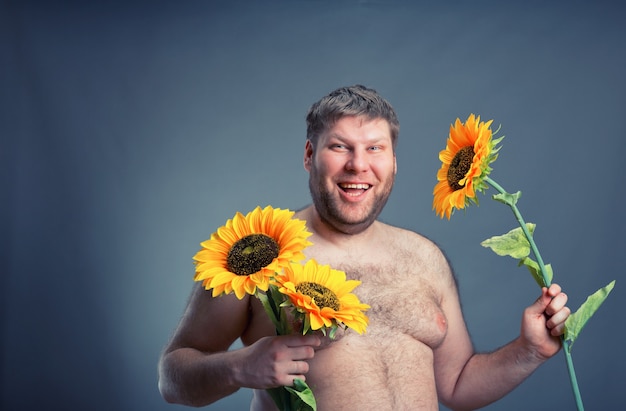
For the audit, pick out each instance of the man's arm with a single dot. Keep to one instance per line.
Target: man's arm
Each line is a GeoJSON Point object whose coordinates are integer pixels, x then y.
{"type": "Point", "coordinates": [196, 367]}
{"type": "Point", "coordinates": [467, 380]}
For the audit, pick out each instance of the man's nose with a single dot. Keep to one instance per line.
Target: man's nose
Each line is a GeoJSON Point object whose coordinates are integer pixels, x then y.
{"type": "Point", "coordinates": [357, 162]}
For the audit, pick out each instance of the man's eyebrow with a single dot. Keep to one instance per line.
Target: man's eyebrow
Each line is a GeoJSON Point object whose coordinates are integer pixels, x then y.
{"type": "Point", "coordinates": [336, 136]}
{"type": "Point", "coordinates": [380, 139]}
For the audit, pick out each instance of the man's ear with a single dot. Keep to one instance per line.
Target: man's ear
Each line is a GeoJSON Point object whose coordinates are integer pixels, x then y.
{"type": "Point", "coordinates": [395, 165]}
{"type": "Point", "coordinates": [308, 155]}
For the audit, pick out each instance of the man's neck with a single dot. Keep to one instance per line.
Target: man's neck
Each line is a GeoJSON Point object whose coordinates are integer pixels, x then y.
{"type": "Point", "coordinates": [350, 236]}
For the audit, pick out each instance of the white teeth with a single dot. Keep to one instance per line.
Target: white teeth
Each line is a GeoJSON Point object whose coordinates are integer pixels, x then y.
{"type": "Point", "coordinates": [357, 186]}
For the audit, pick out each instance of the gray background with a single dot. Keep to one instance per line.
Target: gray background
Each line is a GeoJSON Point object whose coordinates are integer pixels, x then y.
{"type": "Point", "coordinates": [131, 131]}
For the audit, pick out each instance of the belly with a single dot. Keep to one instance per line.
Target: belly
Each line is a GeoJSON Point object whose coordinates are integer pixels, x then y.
{"type": "Point", "coordinates": [392, 372]}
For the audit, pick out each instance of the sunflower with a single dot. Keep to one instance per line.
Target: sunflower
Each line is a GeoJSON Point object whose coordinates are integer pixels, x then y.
{"type": "Point", "coordinates": [244, 254]}
{"type": "Point", "coordinates": [469, 151]}
{"type": "Point", "coordinates": [321, 297]}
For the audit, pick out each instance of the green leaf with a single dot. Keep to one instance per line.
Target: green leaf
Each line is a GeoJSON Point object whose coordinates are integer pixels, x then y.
{"type": "Point", "coordinates": [333, 331]}
{"type": "Point", "coordinates": [534, 269]}
{"type": "Point", "coordinates": [577, 321]}
{"type": "Point", "coordinates": [278, 395]}
{"type": "Point", "coordinates": [507, 198]}
{"type": "Point", "coordinates": [304, 399]}
{"type": "Point", "coordinates": [307, 325]}
{"type": "Point", "coordinates": [270, 309]}
{"type": "Point", "coordinates": [513, 243]}
{"type": "Point", "coordinates": [496, 141]}
{"type": "Point", "coordinates": [549, 274]}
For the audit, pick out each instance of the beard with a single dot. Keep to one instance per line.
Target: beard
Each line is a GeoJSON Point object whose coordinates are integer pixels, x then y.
{"type": "Point", "coordinates": [346, 218]}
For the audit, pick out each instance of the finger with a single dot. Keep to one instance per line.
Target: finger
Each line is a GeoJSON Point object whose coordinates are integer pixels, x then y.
{"type": "Point", "coordinates": [558, 330]}
{"type": "Point", "coordinates": [557, 304]}
{"type": "Point", "coordinates": [288, 379]}
{"type": "Point", "coordinates": [296, 377]}
{"type": "Point", "coordinates": [302, 340]}
{"type": "Point", "coordinates": [558, 318]}
{"type": "Point", "coordinates": [299, 368]}
{"type": "Point", "coordinates": [301, 353]}
{"type": "Point", "coordinates": [554, 290]}
{"type": "Point", "coordinates": [286, 371]}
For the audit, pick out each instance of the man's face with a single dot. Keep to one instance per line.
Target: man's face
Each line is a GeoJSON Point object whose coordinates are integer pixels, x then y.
{"type": "Point", "coordinates": [351, 172]}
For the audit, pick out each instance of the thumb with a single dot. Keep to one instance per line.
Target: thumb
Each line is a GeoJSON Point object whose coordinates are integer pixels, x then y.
{"type": "Point", "coordinates": [539, 306]}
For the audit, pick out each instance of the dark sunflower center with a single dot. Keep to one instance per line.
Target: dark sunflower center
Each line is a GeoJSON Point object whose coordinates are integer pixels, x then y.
{"type": "Point", "coordinates": [251, 253]}
{"type": "Point", "coordinates": [322, 296]}
{"type": "Point", "coordinates": [459, 166]}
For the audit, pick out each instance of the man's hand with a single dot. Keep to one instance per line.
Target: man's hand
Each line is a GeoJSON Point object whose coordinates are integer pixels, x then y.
{"type": "Point", "coordinates": [276, 361]}
{"type": "Point", "coordinates": [543, 322]}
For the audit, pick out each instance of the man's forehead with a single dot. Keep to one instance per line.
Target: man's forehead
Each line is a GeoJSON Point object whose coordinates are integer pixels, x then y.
{"type": "Point", "coordinates": [344, 125]}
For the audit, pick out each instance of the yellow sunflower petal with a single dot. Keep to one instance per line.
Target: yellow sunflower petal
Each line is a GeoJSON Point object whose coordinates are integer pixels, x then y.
{"type": "Point", "coordinates": [218, 290]}
{"type": "Point", "coordinates": [222, 277]}
{"type": "Point", "coordinates": [316, 320]}
{"type": "Point", "coordinates": [239, 286]}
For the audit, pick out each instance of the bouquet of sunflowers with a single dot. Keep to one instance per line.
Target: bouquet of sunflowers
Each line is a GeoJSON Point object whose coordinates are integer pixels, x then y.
{"type": "Point", "coordinates": [259, 254]}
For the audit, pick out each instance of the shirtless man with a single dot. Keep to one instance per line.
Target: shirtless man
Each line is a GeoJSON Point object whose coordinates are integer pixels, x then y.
{"type": "Point", "coordinates": [416, 351]}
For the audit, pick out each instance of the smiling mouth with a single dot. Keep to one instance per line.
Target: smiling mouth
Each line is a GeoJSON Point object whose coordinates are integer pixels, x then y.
{"type": "Point", "coordinates": [354, 189]}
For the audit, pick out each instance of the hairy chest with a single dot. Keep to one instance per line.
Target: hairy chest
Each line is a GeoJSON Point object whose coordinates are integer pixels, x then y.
{"type": "Point", "coordinates": [403, 296]}
{"type": "Point", "coordinates": [400, 303]}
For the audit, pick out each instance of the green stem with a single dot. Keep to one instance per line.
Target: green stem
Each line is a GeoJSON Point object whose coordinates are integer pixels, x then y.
{"type": "Point", "coordinates": [270, 309]}
{"type": "Point", "coordinates": [572, 374]}
{"type": "Point", "coordinates": [529, 237]}
{"type": "Point", "coordinates": [281, 397]}
{"type": "Point", "coordinates": [546, 280]}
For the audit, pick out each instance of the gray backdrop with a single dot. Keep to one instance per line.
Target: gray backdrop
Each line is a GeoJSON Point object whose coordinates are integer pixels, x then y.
{"type": "Point", "coordinates": [131, 131]}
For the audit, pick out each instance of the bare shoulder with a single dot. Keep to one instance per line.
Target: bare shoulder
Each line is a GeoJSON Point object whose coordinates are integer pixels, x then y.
{"type": "Point", "coordinates": [418, 249]}
{"type": "Point", "coordinates": [412, 242]}
{"type": "Point", "coordinates": [198, 326]}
